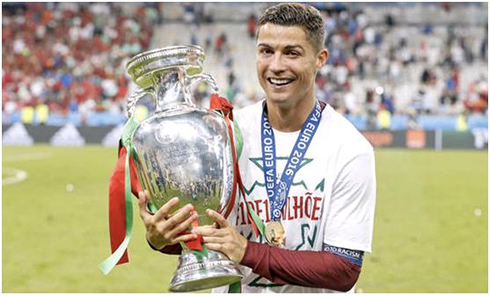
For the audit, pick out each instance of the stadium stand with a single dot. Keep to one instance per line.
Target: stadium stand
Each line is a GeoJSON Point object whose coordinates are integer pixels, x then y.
{"type": "Point", "coordinates": [427, 68]}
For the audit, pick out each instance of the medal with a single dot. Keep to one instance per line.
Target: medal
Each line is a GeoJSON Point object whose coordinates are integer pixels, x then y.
{"type": "Point", "coordinates": [275, 233]}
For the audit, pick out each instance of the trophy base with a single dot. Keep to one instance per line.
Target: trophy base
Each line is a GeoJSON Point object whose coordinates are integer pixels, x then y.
{"type": "Point", "coordinates": [198, 273]}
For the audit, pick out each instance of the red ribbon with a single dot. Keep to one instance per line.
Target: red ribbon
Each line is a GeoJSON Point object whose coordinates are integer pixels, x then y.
{"type": "Point", "coordinates": [222, 104]}
{"type": "Point", "coordinates": [117, 210]}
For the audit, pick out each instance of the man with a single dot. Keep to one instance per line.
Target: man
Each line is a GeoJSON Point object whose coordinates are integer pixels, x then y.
{"type": "Point", "coordinates": [308, 172]}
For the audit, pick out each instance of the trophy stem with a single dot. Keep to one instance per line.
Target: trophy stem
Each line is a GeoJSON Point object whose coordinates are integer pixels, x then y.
{"type": "Point", "coordinates": [199, 273]}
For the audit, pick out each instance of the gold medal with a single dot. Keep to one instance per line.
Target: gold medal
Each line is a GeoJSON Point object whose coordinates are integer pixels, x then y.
{"type": "Point", "coordinates": [275, 233]}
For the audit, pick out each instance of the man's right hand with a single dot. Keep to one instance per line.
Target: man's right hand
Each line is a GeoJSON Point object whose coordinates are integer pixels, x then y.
{"type": "Point", "coordinates": [163, 229]}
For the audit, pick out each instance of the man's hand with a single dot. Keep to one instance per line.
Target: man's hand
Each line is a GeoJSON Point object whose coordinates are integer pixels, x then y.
{"type": "Point", "coordinates": [223, 237]}
{"type": "Point", "coordinates": [163, 229]}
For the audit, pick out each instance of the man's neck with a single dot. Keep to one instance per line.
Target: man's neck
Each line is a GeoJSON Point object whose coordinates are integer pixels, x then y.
{"type": "Point", "coordinates": [289, 118]}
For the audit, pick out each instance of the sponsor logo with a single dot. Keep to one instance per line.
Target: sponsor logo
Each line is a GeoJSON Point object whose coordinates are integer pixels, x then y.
{"type": "Point", "coordinates": [416, 139]}
{"type": "Point", "coordinates": [481, 138]}
{"type": "Point", "coordinates": [68, 135]}
{"type": "Point", "coordinates": [17, 135]}
{"type": "Point", "coordinates": [112, 138]}
{"type": "Point", "coordinates": [379, 139]}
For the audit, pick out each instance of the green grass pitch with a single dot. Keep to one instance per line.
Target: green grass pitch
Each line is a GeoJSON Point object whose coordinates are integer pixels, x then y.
{"type": "Point", "coordinates": [430, 229]}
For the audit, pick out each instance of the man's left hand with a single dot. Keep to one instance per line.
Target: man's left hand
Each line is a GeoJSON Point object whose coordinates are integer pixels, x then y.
{"type": "Point", "coordinates": [223, 237]}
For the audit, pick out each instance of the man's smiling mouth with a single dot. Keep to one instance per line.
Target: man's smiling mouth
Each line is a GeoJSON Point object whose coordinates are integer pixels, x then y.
{"type": "Point", "coordinates": [279, 82]}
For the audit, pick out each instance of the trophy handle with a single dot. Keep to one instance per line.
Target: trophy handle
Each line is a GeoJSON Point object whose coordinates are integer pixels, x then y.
{"type": "Point", "coordinates": [203, 77]}
{"type": "Point", "coordinates": [135, 97]}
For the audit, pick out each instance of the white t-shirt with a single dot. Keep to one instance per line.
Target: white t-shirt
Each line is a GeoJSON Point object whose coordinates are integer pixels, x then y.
{"type": "Point", "coordinates": [332, 197]}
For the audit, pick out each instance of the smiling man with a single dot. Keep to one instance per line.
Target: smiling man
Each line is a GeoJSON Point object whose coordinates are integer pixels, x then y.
{"type": "Point", "coordinates": [288, 58]}
{"type": "Point", "coordinates": [307, 173]}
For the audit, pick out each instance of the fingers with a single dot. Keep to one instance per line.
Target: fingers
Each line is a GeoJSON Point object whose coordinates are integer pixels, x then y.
{"type": "Point", "coordinates": [225, 240]}
{"type": "Point", "coordinates": [216, 247]}
{"type": "Point", "coordinates": [163, 212]}
{"type": "Point", "coordinates": [214, 239]}
{"type": "Point", "coordinates": [179, 217]}
{"type": "Point", "coordinates": [142, 201]}
{"type": "Point", "coordinates": [163, 228]}
{"type": "Point", "coordinates": [209, 231]}
{"type": "Point", "coordinates": [181, 227]}
{"type": "Point", "coordinates": [218, 218]}
{"type": "Point", "coordinates": [183, 238]}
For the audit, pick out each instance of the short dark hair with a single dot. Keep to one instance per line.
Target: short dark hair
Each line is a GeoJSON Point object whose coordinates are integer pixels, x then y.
{"type": "Point", "coordinates": [295, 14]}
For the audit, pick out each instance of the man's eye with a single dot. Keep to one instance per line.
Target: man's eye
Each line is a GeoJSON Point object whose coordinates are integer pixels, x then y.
{"type": "Point", "coordinates": [292, 53]}
{"type": "Point", "coordinates": [266, 51]}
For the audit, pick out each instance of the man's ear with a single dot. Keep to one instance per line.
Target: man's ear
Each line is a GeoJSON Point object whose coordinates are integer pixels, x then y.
{"type": "Point", "coordinates": [321, 58]}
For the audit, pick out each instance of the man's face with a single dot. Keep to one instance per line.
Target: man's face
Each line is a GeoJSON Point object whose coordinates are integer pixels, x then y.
{"type": "Point", "coordinates": [287, 64]}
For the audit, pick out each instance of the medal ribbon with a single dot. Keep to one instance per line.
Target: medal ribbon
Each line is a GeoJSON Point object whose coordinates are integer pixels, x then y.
{"type": "Point", "coordinates": [278, 192]}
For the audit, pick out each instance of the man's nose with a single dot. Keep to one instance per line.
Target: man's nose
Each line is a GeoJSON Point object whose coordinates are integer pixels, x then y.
{"type": "Point", "coordinates": [277, 63]}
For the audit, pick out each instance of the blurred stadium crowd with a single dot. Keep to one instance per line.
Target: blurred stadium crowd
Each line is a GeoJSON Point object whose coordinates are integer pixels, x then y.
{"type": "Point", "coordinates": [66, 61]}
{"type": "Point", "coordinates": [61, 58]}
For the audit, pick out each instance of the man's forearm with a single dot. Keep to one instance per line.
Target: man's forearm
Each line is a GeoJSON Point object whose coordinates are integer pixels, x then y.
{"type": "Point", "coordinates": [301, 268]}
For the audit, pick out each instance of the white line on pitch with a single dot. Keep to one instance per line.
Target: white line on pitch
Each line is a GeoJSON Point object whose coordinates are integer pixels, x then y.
{"type": "Point", "coordinates": [25, 157]}
{"type": "Point", "coordinates": [15, 176]}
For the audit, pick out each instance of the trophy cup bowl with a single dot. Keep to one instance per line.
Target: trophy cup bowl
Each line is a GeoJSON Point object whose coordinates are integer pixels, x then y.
{"type": "Point", "coordinates": [185, 151]}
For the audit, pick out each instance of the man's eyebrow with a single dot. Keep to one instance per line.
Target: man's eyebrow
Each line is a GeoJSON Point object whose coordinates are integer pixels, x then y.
{"type": "Point", "coordinates": [294, 46]}
{"type": "Point", "coordinates": [287, 47]}
{"type": "Point", "coordinates": [264, 45]}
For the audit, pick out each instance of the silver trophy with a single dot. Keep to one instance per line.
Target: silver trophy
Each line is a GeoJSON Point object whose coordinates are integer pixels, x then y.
{"type": "Point", "coordinates": [183, 150]}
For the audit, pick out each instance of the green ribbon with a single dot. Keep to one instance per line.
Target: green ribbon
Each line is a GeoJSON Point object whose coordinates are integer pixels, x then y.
{"type": "Point", "coordinates": [258, 222]}
{"type": "Point", "coordinates": [235, 287]}
{"type": "Point", "coordinates": [108, 264]}
{"type": "Point", "coordinates": [201, 254]}
{"type": "Point", "coordinates": [238, 140]}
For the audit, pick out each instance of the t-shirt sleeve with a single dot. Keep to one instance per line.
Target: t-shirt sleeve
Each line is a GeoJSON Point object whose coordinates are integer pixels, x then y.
{"type": "Point", "coordinates": [350, 219]}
